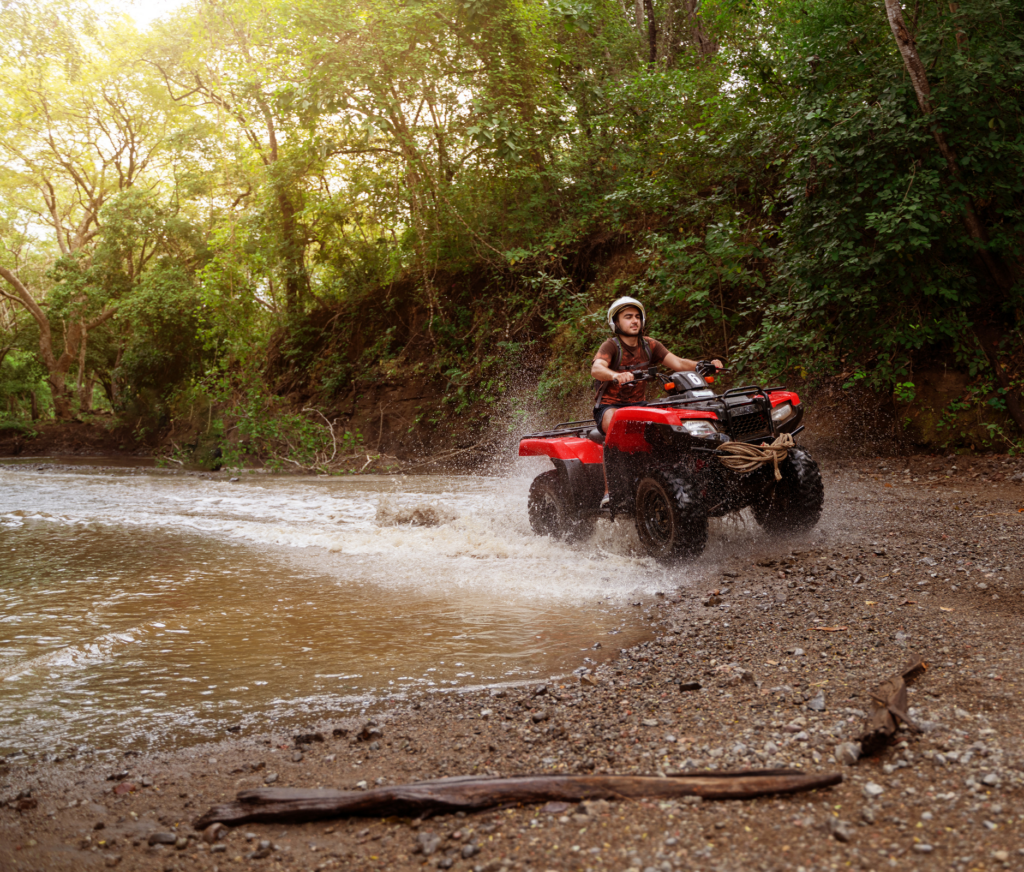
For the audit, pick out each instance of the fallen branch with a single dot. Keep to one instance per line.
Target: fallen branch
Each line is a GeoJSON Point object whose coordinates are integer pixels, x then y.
{"type": "Point", "coordinates": [890, 707]}
{"type": "Point", "coordinates": [284, 805]}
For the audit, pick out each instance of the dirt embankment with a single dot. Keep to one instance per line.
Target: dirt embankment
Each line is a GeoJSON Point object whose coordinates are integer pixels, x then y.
{"type": "Point", "coordinates": [98, 437]}
{"type": "Point", "coordinates": [786, 643]}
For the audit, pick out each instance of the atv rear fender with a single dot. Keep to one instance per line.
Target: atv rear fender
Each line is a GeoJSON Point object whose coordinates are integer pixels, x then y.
{"type": "Point", "coordinates": [566, 448]}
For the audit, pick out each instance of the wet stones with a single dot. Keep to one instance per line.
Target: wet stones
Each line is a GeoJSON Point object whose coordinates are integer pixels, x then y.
{"type": "Point", "coordinates": [369, 732]}
{"type": "Point", "coordinates": [162, 839]}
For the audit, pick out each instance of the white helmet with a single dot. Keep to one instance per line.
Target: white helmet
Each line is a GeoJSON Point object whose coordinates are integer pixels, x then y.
{"type": "Point", "coordinates": [622, 303]}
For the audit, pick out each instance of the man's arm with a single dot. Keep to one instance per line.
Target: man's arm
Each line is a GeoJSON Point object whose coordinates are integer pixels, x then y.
{"type": "Point", "coordinates": [602, 372]}
{"type": "Point", "coordinates": [682, 364]}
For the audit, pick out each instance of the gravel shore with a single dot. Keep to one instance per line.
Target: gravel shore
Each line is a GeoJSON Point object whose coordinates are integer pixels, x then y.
{"type": "Point", "coordinates": [766, 659]}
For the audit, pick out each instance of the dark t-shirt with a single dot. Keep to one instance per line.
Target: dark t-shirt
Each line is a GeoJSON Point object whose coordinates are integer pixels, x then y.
{"type": "Point", "coordinates": [634, 392]}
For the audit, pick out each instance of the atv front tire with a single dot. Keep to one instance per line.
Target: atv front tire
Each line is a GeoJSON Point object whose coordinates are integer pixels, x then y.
{"type": "Point", "coordinates": [795, 502]}
{"type": "Point", "coordinates": [552, 512]}
{"type": "Point", "coordinates": [671, 520]}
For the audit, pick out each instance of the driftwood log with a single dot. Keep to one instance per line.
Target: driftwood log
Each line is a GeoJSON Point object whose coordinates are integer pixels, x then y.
{"type": "Point", "coordinates": [889, 702]}
{"type": "Point", "coordinates": [289, 805]}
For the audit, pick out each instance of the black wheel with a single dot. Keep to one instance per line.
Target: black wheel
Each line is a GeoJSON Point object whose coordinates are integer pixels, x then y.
{"type": "Point", "coordinates": [671, 520]}
{"type": "Point", "coordinates": [551, 510]}
{"type": "Point", "coordinates": [795, 502]}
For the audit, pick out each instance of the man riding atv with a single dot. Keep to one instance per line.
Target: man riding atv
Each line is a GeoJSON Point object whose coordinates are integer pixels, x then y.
{"type": "Point", "coordinates": [629, 349]}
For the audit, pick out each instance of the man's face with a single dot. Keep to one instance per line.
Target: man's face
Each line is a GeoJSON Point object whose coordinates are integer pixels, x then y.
{"type": "Point", "coordinates": [630, 321]}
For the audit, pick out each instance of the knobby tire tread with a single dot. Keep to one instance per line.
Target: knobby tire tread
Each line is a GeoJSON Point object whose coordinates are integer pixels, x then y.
{"type": "Point", "coordinates": [796, 502]}
{"type": "Point", "coordinates": [691, 519]}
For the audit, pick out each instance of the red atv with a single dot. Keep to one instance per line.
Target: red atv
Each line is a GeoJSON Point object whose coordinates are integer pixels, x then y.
{"type": "Point", "coordinates": [664, 466]}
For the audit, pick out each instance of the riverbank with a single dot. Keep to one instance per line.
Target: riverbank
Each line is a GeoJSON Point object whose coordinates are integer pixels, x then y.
{"type": "Point", "coordinates": [786, 641]}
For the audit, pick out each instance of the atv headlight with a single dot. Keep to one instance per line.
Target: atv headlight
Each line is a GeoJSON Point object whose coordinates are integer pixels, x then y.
{"type": "Point", "coordinates": [701, 429]}
{"type": "Point", "coordinates": [782, 412]}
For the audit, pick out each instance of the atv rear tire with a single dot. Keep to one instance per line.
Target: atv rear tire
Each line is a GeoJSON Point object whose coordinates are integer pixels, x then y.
{"type": "Point", "coordinates": [671, 520]}
{"type": "Point", "coordinates": [551, 510]}
{"type": "Point", "coordinates": [795, 502]}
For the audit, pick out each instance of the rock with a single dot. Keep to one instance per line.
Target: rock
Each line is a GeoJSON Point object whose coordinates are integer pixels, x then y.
{"type": "Point", "coordinates": [555, 808]}
{"type": "Point", "coordinates": [923, 848]}
{"type": "Point", "coordinates": [588, 680]}
{"type": "Point", "coordinates": [112, 860]}
{"type": "Point", "coordinates": [486, 713]}
{"type": "Point", "coordinates": [847, 753]}
{"type": "Point", "coordinates": [426, 844]}
{"type": "Point", "coordinates": [650, 722]}
{"type": "Point", "coordinates": [181, 843]}
{"type": "Point", "coordinates": [713, 601]}
{"type": "Point", "coordinates": [872, 790]}
{"type": "Point", "coordinates": [990, 780]}
{"type": "Point", "coordinates": [595, 807]}
{"type": "Point", "coordinates": [469, 850]}
{"type": "Point", "coordinates": [539, 716]}
{"type": "Point", "coordinates": [817, 702]}
{"type": "Point", "coordinates": [218, 848]}
{"type": "Point", "coordinates": [688, 686]}
{"type": "Point", "coordinates": [867, 814]}
{"type": "Point", "coordinates": [498, 692]}
{"type": "Point", "coordinates": [540, 690]}
{"type": "Point", "coordinates": [368, 732]}
{"type": "Point", "coordinates": [214, 833]}
{"type": "Point", "coordinates": [162, 838]}
{"type": "Point", "coordinates": [297, 757]}
{"type": "Point", "coordinates": [1001, 856]}
{"type": "Point", "coordinates": [124, 787]}
{"type": "Point", "coordinates": [361, 785]}
{"type": "Point", "coordinates": [841, 831]}
{"type": "Point", "coordinates": [308, 738]}
{"type": "Point", "coordinates": [271, 778]}
{"type": "Point", "coordinates": [146, 782]}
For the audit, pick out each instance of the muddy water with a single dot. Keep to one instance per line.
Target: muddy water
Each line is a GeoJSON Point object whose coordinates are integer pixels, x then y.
{"type": "Point", "coordinates": [141, 609]}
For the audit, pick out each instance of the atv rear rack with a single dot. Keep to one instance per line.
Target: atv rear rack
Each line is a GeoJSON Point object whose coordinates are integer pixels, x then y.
{"type": "Point", "coordinates": [567, 428]}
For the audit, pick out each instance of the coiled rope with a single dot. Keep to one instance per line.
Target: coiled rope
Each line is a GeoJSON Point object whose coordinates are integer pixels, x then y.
{"type": "Point", "coordinates": [743, 457]}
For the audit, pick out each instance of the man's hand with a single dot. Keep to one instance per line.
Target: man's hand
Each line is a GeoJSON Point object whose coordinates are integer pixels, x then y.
{"type": "Point", "coordinates": [718, 364]}
{"type": "Point", "coordinates": [622, 378]}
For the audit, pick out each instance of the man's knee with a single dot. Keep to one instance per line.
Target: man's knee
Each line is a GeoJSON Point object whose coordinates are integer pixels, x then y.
{"type": "Point", "coordinates": [606, 420]}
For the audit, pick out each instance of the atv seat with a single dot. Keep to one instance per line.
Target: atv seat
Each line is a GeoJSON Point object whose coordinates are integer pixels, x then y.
{"type": "Point", "coordinates": [596, 435]}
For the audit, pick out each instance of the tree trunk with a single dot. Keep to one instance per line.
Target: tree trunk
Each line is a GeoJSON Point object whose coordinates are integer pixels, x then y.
{"type": "Point", "coordinates": [919, 79]}
{"type": "Point", "coordinates": [56, 367]}
{"type": "Point", "coordinates": [85, 393]}
{"type": "Point", "coordinates": [1001, 274]}
{"type": "Point", "coordinates": [652, 32]}
{"type": "Point", "coordinates": [292, 254]}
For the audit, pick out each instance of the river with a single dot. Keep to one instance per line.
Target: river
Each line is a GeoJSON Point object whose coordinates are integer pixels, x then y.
{"type": "Point", "coordinates": [143, 609]}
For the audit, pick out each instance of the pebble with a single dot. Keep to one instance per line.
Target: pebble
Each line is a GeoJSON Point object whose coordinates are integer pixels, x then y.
{"type": "Point", "coordinates": [271, 778]}
{"type": "Point", "coordinates": [923, 848]}
{"type": "Point", "coordinates": [841, 831]}
{"type": "Point", "coordinates": [872, 790]}
{"type": "Point", "coordinates": [848, 753]}
{"type": "Point", "coordinates": [539, 715]}
{"type": "Point", "coordinates": [297, 757]}
{"type": "Point", "coordinates": [162, 838]}
{"type": "Point", "coordinates": [990, 780]}
{"type": "Point", "coordinates": [867, 815]}
{"type": "Point", "coordinates": [817, 702]}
